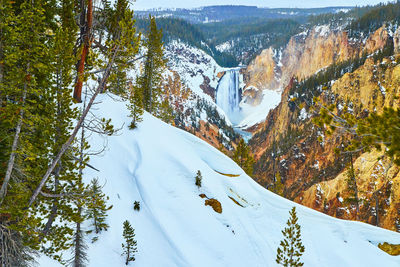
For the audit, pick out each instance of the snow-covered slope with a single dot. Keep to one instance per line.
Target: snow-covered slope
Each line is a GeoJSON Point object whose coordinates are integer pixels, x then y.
{"type": "Point", "coordinates": [193, 65]}
{"type": "Point", "coordinates": [156, 165]}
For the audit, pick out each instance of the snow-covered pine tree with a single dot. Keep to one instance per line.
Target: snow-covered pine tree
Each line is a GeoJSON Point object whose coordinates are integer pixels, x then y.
{"type": "Point", "coordinates": [97, 208]}
{"type": "Point", "coordinates": [130, 244]}
{"type": "Point", "coordinates": [291, 248]}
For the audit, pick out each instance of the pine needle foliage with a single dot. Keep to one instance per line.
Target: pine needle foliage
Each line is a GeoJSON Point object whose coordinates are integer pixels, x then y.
{"type": "Point", "coordinates": [243, 157]}
{"type": "Point", "coordinates": [97, 208]}
{"type": "Point", "coordinates": [130, 245]}
{"type": "Point", "coordinates": [150, 81]}
{"type": "Point", "coordinates": [198, 178]}
{"type": "Point", "coordinates": [291, 248]}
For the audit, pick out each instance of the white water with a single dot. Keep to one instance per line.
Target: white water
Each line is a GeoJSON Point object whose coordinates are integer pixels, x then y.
{"type": "Point", "coordinates": [229, 95]}
{"type": "Point", "coordinates": [241, 114]}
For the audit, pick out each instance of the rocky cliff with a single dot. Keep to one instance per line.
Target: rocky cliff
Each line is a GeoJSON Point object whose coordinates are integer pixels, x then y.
{"type": "Point", "coordinates": [289, 145]}
{"type": "Point", "coordinates": [307, 53]}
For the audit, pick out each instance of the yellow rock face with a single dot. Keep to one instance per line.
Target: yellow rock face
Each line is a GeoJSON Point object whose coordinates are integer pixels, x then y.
{"type": "Point", "coordinates": [262, 71]}
{"type": "Point", "coordinates": [396, 41]}
{"type": "Point", "coordinates": [307, 53]}
{"type": "Point", "coordinates": [390, 249]}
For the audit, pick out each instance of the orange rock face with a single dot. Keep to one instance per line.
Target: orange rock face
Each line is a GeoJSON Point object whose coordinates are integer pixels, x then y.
{"type": "Point", "coordinates": [307, 53]}
{"type": "Point", "coordinates": [313, 174]}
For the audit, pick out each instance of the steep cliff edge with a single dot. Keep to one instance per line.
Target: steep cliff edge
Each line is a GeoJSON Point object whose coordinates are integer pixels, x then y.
{"type": "Point", "coordinates": [289, 145]}
{"type": "Point", "coordinates": [307, 53]}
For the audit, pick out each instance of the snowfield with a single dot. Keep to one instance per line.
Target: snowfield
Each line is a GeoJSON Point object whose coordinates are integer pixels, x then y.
{"type": "Point", "coordinates": [156, 164]}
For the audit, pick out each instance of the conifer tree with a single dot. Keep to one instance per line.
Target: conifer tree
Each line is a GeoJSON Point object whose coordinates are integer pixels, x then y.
{"type": "Point", "coordinates": [135, 105]}
{"type": "Point", "coordinates": [79, 246]}
{"type": "Point", "coordinates": [37, 64]}
{"type": "Point", "coordinates": [279, 187]}
{"type": "Point", "coordinates": [242, 156]}
{"type": "Point", "coordinates": [290, 249]}
{"type": "Point", "coordinates": [97, 208]}
{"type": "Point", "coordinates": [24, 75]}
{"type": "Point", "coordinates": [151, 79]}
{"type": "Point", "coordinates": [130, 245]}
{"type": "Point", "coordinates": [165, 111]}
{"type": "Point", "coordinates": [397, 222]}
{"type": "Point", "coordinates": [352, 187]}
{"type": "Point", "coordinates": [198, 178]}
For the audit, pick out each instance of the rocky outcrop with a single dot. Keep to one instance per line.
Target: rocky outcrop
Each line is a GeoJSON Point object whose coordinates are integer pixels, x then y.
{"type": "Point", "coordinates": [376, 41]}
{"type": "Point", "coordinates": [262, 71]}
{"type": "Point", "coordinates": [375, 174]}
{"type": "Point", "coordinates": [306, 53]}
{"type": "Point", "coordinates": [312, 172]}
{"type": "Point", "coordinates": [207, 88]}
{"type": "Point", "coordinates": [396, 41]}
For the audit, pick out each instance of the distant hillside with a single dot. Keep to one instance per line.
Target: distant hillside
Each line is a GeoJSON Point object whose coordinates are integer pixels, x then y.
{"type": "Point", "coordinates": [174, 29]}
{"type": "Point", "coordinates": [234, 35]}
{"type": "Point", "coordinates": [229, 12]}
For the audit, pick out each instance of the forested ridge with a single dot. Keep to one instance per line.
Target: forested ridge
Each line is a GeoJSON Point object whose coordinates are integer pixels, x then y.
{"type": "Point", "coordinates": [56, 57]}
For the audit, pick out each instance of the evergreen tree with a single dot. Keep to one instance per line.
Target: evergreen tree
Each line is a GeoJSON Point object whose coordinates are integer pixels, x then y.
{"type": "Point", "coordinates": [97, 208]}
{"type": "Point", "coordinates": [151, 79]}
{"type": "Point", "coordinates": [79, 246]}
{"type": "Point", "coordinates": [37, 140]}
{"type": "Point", "coordinates": [198, 178]}
{"type": "Point", "coordinates": [352, 187]}
{"type": "Point", "coordinates": [279, 187]}
{"type": "Point", "coordinates": [166, 111]}
{"type": "Point", "coordinates": [24, 75]}
{"type": "Point", "coordinates": [135, 105]}
{"type": "Point", "coordinates": [136, 205]}
{"type": "Point", "coordinates": [290, 249]}
{"type": "Point", "coordinates": [130, 244]}
{"type": "Point", "coordinates": [397, 222]}
{"type": "Point", "coordinates": [242, 156]}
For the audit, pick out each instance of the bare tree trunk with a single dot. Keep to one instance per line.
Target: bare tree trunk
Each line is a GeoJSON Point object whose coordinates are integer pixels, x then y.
{"type": "Point", "coordinates": [85, 51]}
{"type": "Point", "coordinates": [11, 161]}
{"type": "Point", "coordinates": [68, 143]}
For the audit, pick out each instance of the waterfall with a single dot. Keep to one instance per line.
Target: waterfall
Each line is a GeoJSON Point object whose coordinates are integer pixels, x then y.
{"type": "Point", "coordinates": [228, 95]}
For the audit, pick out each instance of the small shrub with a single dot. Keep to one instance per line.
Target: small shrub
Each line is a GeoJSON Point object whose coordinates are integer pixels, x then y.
{"type": "Point", "coordinates": [136, 205]}
{"type": "Point", "coordinates": [198, 179]}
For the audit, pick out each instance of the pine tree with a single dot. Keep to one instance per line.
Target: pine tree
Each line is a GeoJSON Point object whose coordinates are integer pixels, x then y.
{"type": "Point", "coordinates": [352, 187]}
{"type": "Point", "coordinates": [279, 187]}
{"type": "Point", "coordinates": [24, 76]}
{"type": "Point", "coordinates": [151, 79]}
{"type": "Point", "coordinates": [135, 105]}
{"type": "Point", "coordinates": [198, 178]}
{"type": "Point", "coordinates": [242, 156]}
{"type": "Point", "coordinates": [97, 208]}
{"type": "Point", "coordinates": [166, 111]}
{"type": "Point", "coordinates": [130, 244]}
{"type": "Point", "coordinates": [136, 205]}
{"type": "Point", "coordinates": [37, 63]}
{"type": "Point", "coordinates": [290, 250]}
